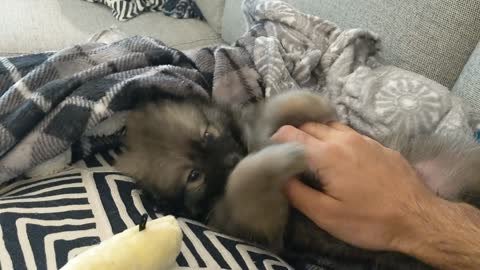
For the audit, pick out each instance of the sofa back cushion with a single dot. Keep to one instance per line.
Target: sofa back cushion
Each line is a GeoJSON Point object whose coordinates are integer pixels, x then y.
{"type": "Point", "coordinates": [468, 84]}
{"type": "Point", "coordinates": [212, 10]}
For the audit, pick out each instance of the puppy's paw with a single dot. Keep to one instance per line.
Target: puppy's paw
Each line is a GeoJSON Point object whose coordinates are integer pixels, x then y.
{"type": "Point", "coordinates": [287, 159]}
{"type": "Point", "coordinates": [298, 107]}
{"type": "Point", "coordinates": [269, 168]}
{"type": "Point", "coordinates": [280, 161]}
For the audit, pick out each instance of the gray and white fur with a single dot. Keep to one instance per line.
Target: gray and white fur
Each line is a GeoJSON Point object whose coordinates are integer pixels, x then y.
{"type": "Point", "coordinates": [218, 165]}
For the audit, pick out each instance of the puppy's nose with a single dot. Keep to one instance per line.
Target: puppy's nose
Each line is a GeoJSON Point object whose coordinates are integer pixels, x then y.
{"type": "Point", "coordinates": [232, 160]}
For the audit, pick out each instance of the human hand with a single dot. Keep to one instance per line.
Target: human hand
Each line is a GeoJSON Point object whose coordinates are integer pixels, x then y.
{"type": "Point", "coordinates": [372, 197]}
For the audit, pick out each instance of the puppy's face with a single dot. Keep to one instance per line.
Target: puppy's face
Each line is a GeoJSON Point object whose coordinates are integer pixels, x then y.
{"type": "Point", "coordinates": [183, 152]}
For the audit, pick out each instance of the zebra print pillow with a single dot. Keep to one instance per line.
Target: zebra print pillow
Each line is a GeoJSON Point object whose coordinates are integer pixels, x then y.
{"type": "Point", "coordinates": [124, 10]}
{"type": "Point", "coordinates": [45, 222]}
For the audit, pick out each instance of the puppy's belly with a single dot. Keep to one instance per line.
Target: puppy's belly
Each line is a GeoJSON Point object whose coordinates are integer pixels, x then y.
{"type": "Point", "coordinates": [437, 179]}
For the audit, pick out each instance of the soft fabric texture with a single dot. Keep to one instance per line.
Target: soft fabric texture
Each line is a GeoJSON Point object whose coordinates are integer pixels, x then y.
{"type": "Point", "coordinates": [45, 222]}
{"type": "Point", "coordinates": [67, 95]}
{"type": "Point", "coordinates": [48, 102]}
{"type": "Point", "coordinates": [295, 50]}
{"type": "Point", "coordinates": [109, 35]}
{"type": "Point", "coordinates": [124, 10]}
{"type": "Point", "coordinates": [76, 99]}
{"type": "Point", "coordinates": [132, 248]}
{"type": "Point", "coordinates": [233, 26]}
{"type": "Point", "coordinates": [53, 25]}
{"type": "Point", "coordinates": [468, 85]}
{"type": "Point", "coordinates": [212, 11]}
{"type": "Point", "coordinates": [432, 37]}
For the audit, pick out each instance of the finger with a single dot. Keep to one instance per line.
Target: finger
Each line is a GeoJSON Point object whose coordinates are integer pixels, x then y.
{"type": "Point", "coordinates": [339, 126]}
{"type": "Point", "coordinates": [309, 201]}
{"type": "Point", "coordinates": [317, 130]}
{"type": "Point", "coordinates": [292, 134]}
{"type": "Point", "coordinates": [315, 149]}
{"type": "Point", "coordinates": [370, 140]}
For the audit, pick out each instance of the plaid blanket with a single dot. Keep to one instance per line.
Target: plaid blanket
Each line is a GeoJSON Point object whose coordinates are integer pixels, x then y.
{"type": "Point", "coordinates": [56, 108]}
{"type": "Point", "coordinates": [60, 105]}
{"type": "Point", "coordinates": [66, 105]}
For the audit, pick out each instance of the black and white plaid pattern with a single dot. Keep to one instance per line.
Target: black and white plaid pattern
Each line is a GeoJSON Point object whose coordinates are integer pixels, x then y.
{"type": "Point", "coordinates": [79, 96]}
{"type": "Point", "coordinates": [44, 110]}
{"type": "Point", "coordinates": [124, 10]}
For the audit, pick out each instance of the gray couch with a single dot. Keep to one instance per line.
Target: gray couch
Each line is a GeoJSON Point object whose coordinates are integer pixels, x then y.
{"type": "Point", "coordinates": [436, 38]}
{"type": "Point", "coordinates": [32, 26]}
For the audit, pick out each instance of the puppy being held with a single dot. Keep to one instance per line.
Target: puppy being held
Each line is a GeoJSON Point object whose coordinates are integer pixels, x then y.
{"type": "Point", "coordinates": [218, 165]}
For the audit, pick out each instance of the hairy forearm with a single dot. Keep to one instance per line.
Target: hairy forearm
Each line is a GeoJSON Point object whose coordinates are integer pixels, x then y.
{"type": "Point", "coordinates": [446, 236]}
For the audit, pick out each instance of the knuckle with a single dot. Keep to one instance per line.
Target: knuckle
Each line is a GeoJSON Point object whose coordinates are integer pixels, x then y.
{"type": "Point", "coordinates": [332, 149]}
{"type": "Point", "coordinates": [393, 153]}
{"type": "Point", "coordinates": [309, 126]}
{"type": "Point", "coordinates": [396, 154]}
{"type": "Point", "coordinates": [285, 133]}
{"type": "Point", "coordinates": [353, 138]}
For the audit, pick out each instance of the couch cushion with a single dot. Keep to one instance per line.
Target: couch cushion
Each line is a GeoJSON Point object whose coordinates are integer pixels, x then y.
{"type": "Point", "coordinates": [431, 37]}
{"type": "Point", "coordinates": [80, 207]}
{"type": "Point", "coordinates": [33, 26]}
{"type": "Point", "coordinates": [468, 84]}
{"type": "Point", "coordinates": [233, 21]}
{"type": "Point", "coordinates": [212, 10]}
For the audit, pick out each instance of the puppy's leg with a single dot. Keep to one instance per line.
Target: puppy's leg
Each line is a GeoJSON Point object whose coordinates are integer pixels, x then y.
{"type": "Point", "coordinates": [254, 206]}
{"type": "Point", "coordinates": [296, 108]}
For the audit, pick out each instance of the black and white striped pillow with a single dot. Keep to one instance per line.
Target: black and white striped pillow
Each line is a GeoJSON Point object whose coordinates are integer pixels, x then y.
{"type": "Point", "coordinates": [44, 222]}
{"type": "Point", "coordinates": [124, 10]}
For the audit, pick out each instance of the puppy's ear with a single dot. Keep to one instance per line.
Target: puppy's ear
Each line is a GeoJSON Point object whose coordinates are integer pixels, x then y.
{"type": "Point", "coordinates": [144, 123]}
{"type": "Point", "coordinates": [137, 121]}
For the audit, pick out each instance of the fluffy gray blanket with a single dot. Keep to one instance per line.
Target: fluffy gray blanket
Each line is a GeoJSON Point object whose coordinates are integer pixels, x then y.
{"type": "Point", "coordinates": [295, 50]}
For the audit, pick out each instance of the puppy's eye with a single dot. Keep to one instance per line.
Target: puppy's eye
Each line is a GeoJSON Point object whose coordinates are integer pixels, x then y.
{"type": "Point", "coordinates": [208, 137]}
{"type": "Point", "coordinates": [193, 176]}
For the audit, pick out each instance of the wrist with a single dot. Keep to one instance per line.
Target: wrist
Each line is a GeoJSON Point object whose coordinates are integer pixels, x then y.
{"type": "Point", "coordinates": [422, 223]}
{"type": "Point", "coordinates": [439, 229]}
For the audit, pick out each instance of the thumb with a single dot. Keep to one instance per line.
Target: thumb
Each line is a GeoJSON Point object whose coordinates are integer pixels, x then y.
{"type": "Point", "coordinates": [311, 202]}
